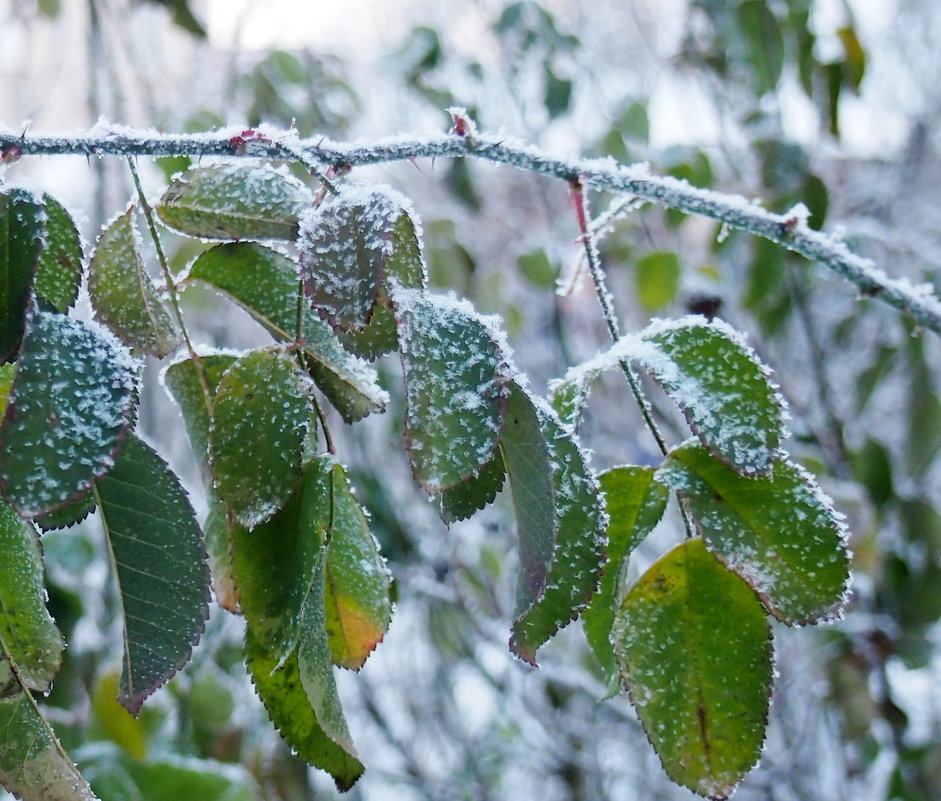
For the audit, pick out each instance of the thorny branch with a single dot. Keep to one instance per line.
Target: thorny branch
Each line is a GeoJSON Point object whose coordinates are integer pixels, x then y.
{"type": "Point", "coordinates": [789, 230]}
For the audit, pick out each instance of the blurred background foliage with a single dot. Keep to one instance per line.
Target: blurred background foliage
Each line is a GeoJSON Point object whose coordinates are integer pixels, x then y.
{"type": "Point", "coordinates": [830, 103]}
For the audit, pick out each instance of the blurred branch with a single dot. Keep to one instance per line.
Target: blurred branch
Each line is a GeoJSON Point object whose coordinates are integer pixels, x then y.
{"type": "Point", "coordinates": [789, 230]}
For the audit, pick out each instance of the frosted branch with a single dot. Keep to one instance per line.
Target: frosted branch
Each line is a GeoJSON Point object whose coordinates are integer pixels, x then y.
{"type": "Point", "coordinates": [789, 230]}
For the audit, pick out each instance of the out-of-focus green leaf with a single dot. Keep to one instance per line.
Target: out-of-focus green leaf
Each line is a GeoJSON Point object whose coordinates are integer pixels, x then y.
{"type": "Point", "coordinates": [59, 271]}
{"type": "Point", "coordinates": [558, 93]}
{"type": "Point", "coordinates": [462, 500]}
{"type": "Point", "coordinates": [694, 647]}
{"type": "Point", "coordinates": [22, 228]}
{"type": "Point", "coordinates": [353, 246]}
{"type": "Point", "coordinates": [559, 518]}
{"type": "Point", "coordinates": [779, 533]}
{"type": "Point", "coordinates": [259, 421]}
{"type": "Point", "coordinates": [72, 401]}
{"type": "Point", "coordinates": [160, 564]}
{"type": "Point", "coordinates": [657, 279]}
{"type": "Point", "coordinates": [114, 721]}
{"type": "Point", "coordinates": [235, 201]}
{"type": "Point", "coordinates": [266, 283]}
{"type": "Point", "coordinates": [855, 57]}
{"type": "Point", "coordinates": [357, 605]}
{"type": "Point", "coordinates": [765, 43]}
{"type": "Point", "coordinates": [635, 503]}
{"type": "Point", "coordinates": [454, 386]}
{"type": "Point", "coordinates": [29, 638]}
{"type": "Point", "coordinates": [873, 468]}
{"type": "Point", "coordinates": [536, 268]}
{"type": "Point", "coordinates": [122, 294]}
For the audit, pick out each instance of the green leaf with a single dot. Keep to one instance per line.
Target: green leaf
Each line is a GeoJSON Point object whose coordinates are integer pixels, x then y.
{"type": "Point", "coordinates": [59, 271]}
{"type": "Point", "coordinates": [235, 201]}
{"type": "Point", "coordinates": [454, 387]}
{"type": "Point", "coordinates": [183, 383]}
{"type": "Point", "coordinates": [710, 373]}
{"type": "Point", "coordinates": [22, 228]}
{"type": "Point", "coordinates": [352, 246]}
{"type": "Point", "coordinates": [29, 638]}
{"type": "Point", "coordinates": [113, 720]}
{"type": "Point", "coordinates": [560, 522]}
{"type": "Point", "coordinates": [635, 503]}
{"type": "Point", "coordinates": [33, 765]}
{"type": "Point", "coordinates": [378, 338]}
{"type": "Point", "coordinates": [657, 279]}
{"type": "Point", "coordinates": [765, 43]}
{"type": "Point", "coordinates": [779, 533]}
{"type": "Point", "coordinates": [172, 779]}
{"type": "Point", "coordinates": [695, 651]}
{"type": "Point", "coordinates": [462, 500]}
{"type": "Point", "coordinates": [275, 562]}
{"type": "Point", "coordinates": [357, 603]}
{"type": "Point", "coordinates": [160, 564]}
{"type": "Point", "coordinates": [536, 268]}
{"type": "Point", "coordinates": [7, 374]}
{"type": "Point", "coordinates": [218, 530]}
{"type": "Point", "coordinates": [72, 401]}
{"type": "Point", "coordinates": [266, 283]}
{"type": "Point", "coordinates": [73, 513]}
{"type": "Point", "coordinates": [259, 421]}
{"type": "Point", "coordinates": [122, 294]}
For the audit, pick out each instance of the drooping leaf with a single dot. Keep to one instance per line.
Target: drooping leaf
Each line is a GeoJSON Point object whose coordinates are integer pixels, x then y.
{"type": "Point", "coordinates": [235, 201]}
{"type": "Point", "coordinates": [259, 421]}
{"type": "Point", "coordinates": [72, 401]}
{"type": "Point", "coordinates": [33, 764]}
{"type": "Point", "coordinates": [474, 493]}
{"type": "Point", "coordinates": [780, 533]}
{"type": "Point", "coordinates": [265, 283]}
{"type": "Point", "coordinates": [455, 378]}
{"type": "Point", "coordinates": [122, 294]}
{"type": "Point", "coordinates": [635, 503]}
{"type": "Point", "coordinates": [29, 638]}
{"type": "Point", "coordinates": [22, 228]}
{"type": "Point", "coordinates": [280, 689]}
{"type": "Point", "coordinates": [560, 522]}
{"type": "Point", "coordinates": [59, 271]}
{"type": "Point", "coordinates": [182, 380]}
{"type": "Point", "coordinates": [357, 605]}
{"type": "Point", "coordinates": [710, 373]}
{"type": "Point", "coordinates": [354, 246]}
{"type": "Point", "coordinates": [694, 647]}
{"type": "Point", "coordinates": [160, 565]}
{"type": "Point", "coordinates": [218, 531]}
{"type": "Point", "coordinates": [275, 562]}
{"type": "Point", "coordinates": [73, 513]}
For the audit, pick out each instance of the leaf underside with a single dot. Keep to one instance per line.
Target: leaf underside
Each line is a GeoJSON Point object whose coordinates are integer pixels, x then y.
{"type": "Point", "coordinates": [694, 647]}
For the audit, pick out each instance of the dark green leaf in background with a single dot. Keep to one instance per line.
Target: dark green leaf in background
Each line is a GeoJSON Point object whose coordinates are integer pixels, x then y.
{"type": "Point", "coordinates": [122, 294]}
{"type": "Point", "coordinates": [235, 201]}
{"type": "Point", "coordinates": [765, 43]}
{"type": "Point", "coordinates": [22, 227]}
{"type": "Point", "coordinates": [694, 647]}
{"type": "Point", "coordinates": [779, 533]}
{"type": "Point", "coordinates": [160, 565]}
{"type": "Point", "coordinates": [72, 401]}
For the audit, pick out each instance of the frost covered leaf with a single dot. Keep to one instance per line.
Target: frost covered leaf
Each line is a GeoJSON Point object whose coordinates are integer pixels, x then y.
{"type": "Point", "coordinates": [354, 246]}
{"type": "Point", "coordinates": [265, 283]}
{"type": "Point", "coordinates": [694, 647]}
{"type": "Point", "coordinates": [59, 272]}
{"type": "Point", "coordinates": [73, 513]}
{"type": "Point", "coordinates": [455, 378]}
{"type": "Point", "coordinates": [33, 765]}
{"type": "Point", "coordinates": [22, 227]}
{"type": "Point", "coordinates": [160, 565]}
{"type": "Point", "coordinates": [560, 522]}
{"type": "Point", "coordinates": [218, 531]}
{"type": "Point", "coordinates": [122, 294]}
{"type": "Point", "coordinates": [474, 493]}
{"type": "Point", "coordinates": [71, 402]}
{"type": "Point", "coordinates": [28, 635]}
{"type": "Point", "coordinates": [275, 562]}
{"type": "Point", "coordinates": [779, 533]}
{"type": "Point", "coordinates": [710, 373]}
{"type": "Point", "coordinates": [235, 201]}
{"type": "Point", "coordinates": [183, 383]}
{"type": "Point", "coordinates": [259, 421]}
{"type": "Point", "coordinates": [378, 338]}
{"type": "Point", "coordinates": [635, 503]}
{"type": "Point", "coordinates": [357, 603]}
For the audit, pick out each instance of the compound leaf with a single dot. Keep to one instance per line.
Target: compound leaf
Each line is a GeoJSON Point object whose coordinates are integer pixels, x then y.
{"type": "Point", "coordinates": [455, 378]}
{"type": "Point", "coordinates": [694, 646]}
{"type": "Point", "coordinates": [779, 533]}
{"type": "Point", "coordinates": [160, 565]}
{"type": "Point", "coordinates": [259, 421]}
{"type": "Point", "coordinates": [122, 294]}
{"type": "Point", "coordinates": [71, 403]}
{"type": "Point", "coordinates": [235, 201]}
{"type": "Point", "coordinates": [559, 518]}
